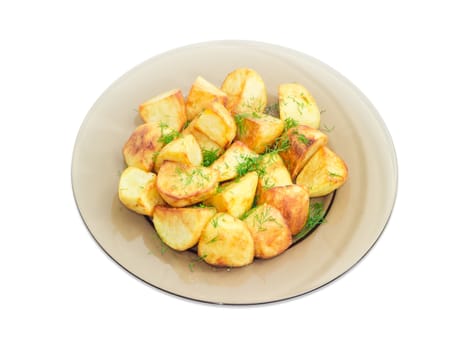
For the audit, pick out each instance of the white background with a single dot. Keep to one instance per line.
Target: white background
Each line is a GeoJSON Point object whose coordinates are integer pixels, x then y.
{"type": "Point", "coordinates": [60, 291]}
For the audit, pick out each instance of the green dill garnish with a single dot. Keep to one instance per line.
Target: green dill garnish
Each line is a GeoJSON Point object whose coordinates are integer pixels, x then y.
{"type": "Point", "coordinates": [213, 240]}
{"type": "Point", "coordinates": [303, 139]}
{"type": "Point", "coordinates": [300, 105]}
{"type": "Point", "coordinates": [326, 128]}
{"type": "Point", "coordinates": [187, 124]}
{"type": "Point", "coordinates": [209, 156]}
{"type": "Point", "coordinates": [268, 183]}
{"type": "Point", "coordinates": [168, 137]}
{"type": "Point", "coordinates": [334, 174]}
{"type": "Point", "coordinates": [193, 263]}
{"type": "Point", "coordinates": [315, 218]}
{"type": "Point", "coordinates": [260, 219]}
{"type": "Point", "coordinates": [247, 214]}
{"type": "Point", "coordinates": [195, 175]}
{"type": "Point", "coordinates": [254, 104]}
{"type": "Point", "coordinates": [239, 119]}
{"type": "Point", "coordinates": [219, 189]}
{"type": "Point", "coordinates": [290, 123]}
{"type": "Point", "coordinates": [154, 156]}
{"type": "Point", "coordinates": [163, 248]}
{"type": "Point", "coordinates": [248, 164]}
{"type": "Point", "coordinates": [200, 205]}
{"type": "Point", "coordinates": [214, 221]}
{"type": "Point", "coordinates": [316, 215]}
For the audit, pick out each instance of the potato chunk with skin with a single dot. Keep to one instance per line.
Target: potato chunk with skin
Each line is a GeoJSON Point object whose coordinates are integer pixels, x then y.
{"type": "Point", "coordinates": [167, 108]}
{"type": "Point", "coordinates": [270, 233]}
{"type": "Point", "coordinates": [304, 142]}
{"type": "Point", "coordinates": [246, 91]}
{"type": "Point", "coordinates": [275, 173]}
{"type": "Point", "coordinates": [217, 123]}
{"type": "Point", "coordinates": [236, 197]}
{"type": "Point", "coordinates": [226, 241]}
{"type": "Point", "coordinates": [201, 95]}
{"type": "Point", "coordinates": [181, 228]}
{"type": "Point", "coordinates": [296, 102]}
{"type": "Point", "coordinates": [292, 201]}
{"type": "Point", "coordinates": [323, 173]}
{"type": "Point", "coordinates": [181, 185]}
{"type": "Point", "coordinates": [182, 150]}
{"type": "Point", "coordinates": [138, 191]}
{"type": "Point", "coordinates": [228, 162]}
{"type": "Point", "coordinates": [258, 130]}
{"type": "Point", "coordinates": [143, 145]}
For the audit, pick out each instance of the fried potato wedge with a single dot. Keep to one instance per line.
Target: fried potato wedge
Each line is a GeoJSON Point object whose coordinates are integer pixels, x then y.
{"type": "Point", "coordinates": [182, 150]}
{"type": "Point", "coordinates": [323, 173]}
{"type": "Point", "coordinates": [205, 143]}
{"type": "Point", "coordinates": [138, 191]}
{"type": "Point", "coordinates": [143, 145]}
{"type": "Point", "coordinates": [246, 91]}
{"type": "Point", "coordinates": [258, 130]}
{"type": "Point", "coordinates": [217, 123]}
{"type": "Point", "coordinates": [181, 185]}
{"type": "Point", "coordinates": [167, 108]}
{"type": "Point", "coordinates": [292, 201]}
{"type": "Point", "coordinates": [235, 197]}
{"type": "Point", "coordinates": [270, 233]}
{"type": "Point", "coordinates": [227, 164]}
{"type": "Point", "coordinates": [181, 228]}
{"type": "Point", "coordinates": [304, 142]}
{"type": "Point", "coordinates": [275, 173]}
{"type": "Point", "coordinates": [201, 95]}
{"type": "Point", "coordinates": [226, 241]}
{"type": "Point", "coordinates": [297, 103]}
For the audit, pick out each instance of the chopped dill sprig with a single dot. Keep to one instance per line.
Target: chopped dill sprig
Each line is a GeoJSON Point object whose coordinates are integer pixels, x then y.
{"type": "Point", "coordinates": [194, 261]}
{"type": "Point", "coordinates": [167, 137]}
{"type": "Point", "coordinates": [209, 156]}
{"type": "Point", "coordinates": [315, 218]}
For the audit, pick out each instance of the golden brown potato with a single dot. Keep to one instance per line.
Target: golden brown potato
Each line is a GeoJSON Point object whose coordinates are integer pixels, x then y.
{"type": "Point", "coordinates": [182, 150]}
{"type": "Point", "coordinates": [275, 173]}
{"type": "Point", "coordinates": [138, 191]}
{"type": "Point", "coordinates": [167, 108]}
{"type": "Point", "coordinates": [323, 173]}
{"type": "Point", "coordinates": [258, 130]}
{"type": "Point", "coordinates": [304, 142]}
{"type": "Point", "coordinates": [296, 102]}
{"type": "Point", "coordinates": [226, 241]}
{"type": "Point", "coordinates": [246, 91]}
{"type": "Point", "coordinates": [217, 123]}
{"type": "Point", "coordinates": [180, 228]}
{"type": "Point", "coordinates": [227, 164]}
{"type": "Point", "coordinates": [205, 143]}
{"type": "Point", "coordinates": [235, 197]}
{"type": "Point", "coordinates": [270, 233]}
{"type": "Point", "coordinates": [292, 201]}
{"type": "Point", "coordinates": [143, 145]}
{"type": "Point", "coordinates": [201, 95]}
{"type": "Point", "coordinates": [181, 185]}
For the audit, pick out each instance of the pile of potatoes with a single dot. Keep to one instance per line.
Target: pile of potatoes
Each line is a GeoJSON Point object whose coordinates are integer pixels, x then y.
{"type": "Point", "coordinates": [215, 172]}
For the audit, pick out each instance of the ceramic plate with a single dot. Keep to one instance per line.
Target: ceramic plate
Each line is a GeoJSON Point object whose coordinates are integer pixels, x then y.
{"type": "Point", "coordinates": [356, 218]}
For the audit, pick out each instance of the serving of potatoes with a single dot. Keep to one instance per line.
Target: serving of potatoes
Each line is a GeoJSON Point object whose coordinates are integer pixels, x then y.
{"type": "Point", "coordinates": [222, 174]}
